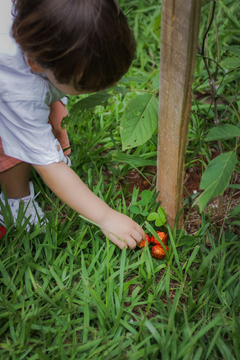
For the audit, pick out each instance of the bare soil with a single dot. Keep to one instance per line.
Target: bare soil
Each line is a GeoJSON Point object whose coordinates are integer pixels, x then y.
{"type": "Point", "coordinates": [231, 197]}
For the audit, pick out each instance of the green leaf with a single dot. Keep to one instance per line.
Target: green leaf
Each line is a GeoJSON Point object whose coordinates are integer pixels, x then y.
{"type": "Point", "coordinates": [157, 25]}
{"type": "Point", "coordinates": [153, 216]}
{"type": "Point", "coordinates": [156, 82]}
{"type": "Point", "coordinates": [159, 222]}
{"type": "Point", "coordinates": [219, 169]}
{"type": "Point", "coordinates": [216, 177]}
{"type": "Point", "coordinates": [135, 209]}
{"type": "Point", "coordinates": [234, 186]}
{"type": "Point", "coordinates": [74, 118]}
{"type": "Point", "coordinates": [136, 161]}
{"type": "Point", "coordinates": [153, 331]}
{"type": "Point", "coordinates": [187, 240]}
{"type": "Point", "coordinates": [223, 132]}
{"type": "Point", "coordinates": [198, 354]}
{"type": "Point", "coordinates": [236, 223]}
{"type": "Point", "coordinates": [199, 334]}
{"type": "Point", "coordinates": [142, 202]}
{"type": "Point", "coordinates": [234, 49]}
{"type": "Point", "coordinates": [224, 349]}
{"type": "Point", "coordinates": [139, 121]}
{"type": "Point", "coordinates": [230, 63]}
{"type": "Point", "coordinates": [146, 195]}
{"type": "Point", "coordinates": [235, 211]}
{"type": "Point", "coordinates": [92, 101]}
{"type": "Point", "coordinates": [120, 90]}
{"type": "Point", "coordinates": [139, 79]}
{"type": "Point", "coordinates": [162, 214]}
{"type": "Point", "coordinates": [144, 213]}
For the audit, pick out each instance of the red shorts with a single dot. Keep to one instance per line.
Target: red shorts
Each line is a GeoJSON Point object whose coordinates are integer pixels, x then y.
{"type": "Point", "coordinates": [57, 112]}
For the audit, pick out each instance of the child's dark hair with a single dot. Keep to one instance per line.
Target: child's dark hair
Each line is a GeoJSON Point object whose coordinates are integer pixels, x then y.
{"type": "Point", "coordinates": [86, 42]}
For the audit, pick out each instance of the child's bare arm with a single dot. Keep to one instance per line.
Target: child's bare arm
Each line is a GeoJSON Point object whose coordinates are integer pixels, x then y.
{"type": "Point", "coordinates": [65, 183]}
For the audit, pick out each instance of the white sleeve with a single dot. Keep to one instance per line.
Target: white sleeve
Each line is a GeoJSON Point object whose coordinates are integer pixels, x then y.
{"type": "Point", "coordinates": [26, 134]}
{"type": "Point", "coordinates": [64, 100]}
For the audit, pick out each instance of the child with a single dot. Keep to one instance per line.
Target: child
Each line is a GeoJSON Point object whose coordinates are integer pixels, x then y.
{"type": "Point", "coordinates": [49, 49]}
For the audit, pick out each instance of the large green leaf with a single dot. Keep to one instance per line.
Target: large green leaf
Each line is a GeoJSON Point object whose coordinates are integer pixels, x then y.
{"type": "Point", "coordinates": [139, 121]}
{"type": "Point", "coordinates": [216, 177]}
{"type": "Point", "coordinates": [73, 118]}
{"type": "Point", "coordinates": [234, 49]}
{"type": "Point", "coordinates": [234, 186]}
{"type": "Point", "coordinates": [235, 223]}
{"type": "Point", "coordinates": [231, 63]}
{"type": "Point", "coordinates": [235, 211]}
{"type": "Point", "coordinates": [223, 132]}
{"type": "Point", "coordinates": [139, 79]}
{"type": "Point", "coordinates": [91, 101]}
{"type": "Point", "coordinates": [133, 160]}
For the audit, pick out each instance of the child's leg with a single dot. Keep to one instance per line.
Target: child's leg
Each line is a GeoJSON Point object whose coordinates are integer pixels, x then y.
{"type": "Point", "coordinates": [14, 174]}
{"type": "Point", "coordinates": [19, 188]}
{"type": "Point", "coordinates": [16, 180]}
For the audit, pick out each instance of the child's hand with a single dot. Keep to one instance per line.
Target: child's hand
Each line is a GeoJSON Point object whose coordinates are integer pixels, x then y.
{"type": "Point", "coordinates": [125, 228]}
{"type": "Point", "coordinates": [66, 184]}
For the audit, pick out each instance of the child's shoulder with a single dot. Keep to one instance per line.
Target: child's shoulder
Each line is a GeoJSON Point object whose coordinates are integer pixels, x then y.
{"type": "Point", "coordinates": [17, 80]}
{"type": "Point", "coordinates": [15, 77]}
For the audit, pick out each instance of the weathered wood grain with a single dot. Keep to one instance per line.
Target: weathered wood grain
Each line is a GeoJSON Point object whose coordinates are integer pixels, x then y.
{"type": "Point", "coordinates": [179, 40]}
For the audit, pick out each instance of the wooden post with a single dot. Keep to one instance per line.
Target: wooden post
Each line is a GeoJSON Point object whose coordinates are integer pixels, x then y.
{"type": "Point", "coordinates": [179, 40]}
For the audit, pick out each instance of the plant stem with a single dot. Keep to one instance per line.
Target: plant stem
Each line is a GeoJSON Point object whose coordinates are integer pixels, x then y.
{"type": "Point", "coordinates": [228, 106]}
{"type": "Point", "coordinates": [212, 80]}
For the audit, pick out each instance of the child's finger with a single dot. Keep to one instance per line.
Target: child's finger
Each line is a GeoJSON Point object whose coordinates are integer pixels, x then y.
{"type": "Point", "coordinates": [141, 231]}
{"type": "Point", "coordinates": [132, 243]}
{"type": "Point", "coordinates": [119, 243]}
{"type": "Point", "coordinates": [129, 242]}
{"type": "Point", "coordinates": [136, 236]}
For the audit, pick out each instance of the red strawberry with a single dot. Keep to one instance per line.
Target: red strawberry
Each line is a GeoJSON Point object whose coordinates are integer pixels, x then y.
{"type": "Point", "coordinates": [158, 252]}
{"type": "Point", "coordinates": [147, 238]}
{"type": "Point", "coordinates": [163, 236]}
{"type": "Point", "coordinates": [142, 244]}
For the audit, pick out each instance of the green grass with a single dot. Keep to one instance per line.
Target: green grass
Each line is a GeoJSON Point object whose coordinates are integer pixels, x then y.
{"type": "Point", "coordinates": [69, 293]}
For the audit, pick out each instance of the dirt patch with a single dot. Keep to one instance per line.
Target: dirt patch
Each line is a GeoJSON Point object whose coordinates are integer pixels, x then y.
{"type": "Point", "coordinates": [135, 179]}
{"type": "Point", "coordinates": [192, 179]}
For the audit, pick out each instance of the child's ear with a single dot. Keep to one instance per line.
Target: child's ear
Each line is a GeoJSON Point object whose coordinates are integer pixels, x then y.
{"type": "Point", "coordinates": [34, 66]}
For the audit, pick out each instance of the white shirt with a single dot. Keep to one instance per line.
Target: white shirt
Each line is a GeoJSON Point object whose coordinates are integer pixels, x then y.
{"type": "Point", "coordinates": [24, 102]}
